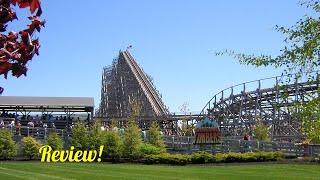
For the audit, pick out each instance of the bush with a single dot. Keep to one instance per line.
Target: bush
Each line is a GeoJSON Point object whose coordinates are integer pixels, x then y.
{"type": "Point", "coordinates": [261, 131]}
{"type": "Point", "coordinates": [202, 157]}
{"type": "Point", "coordinates": [149, 149]}
{"type": "Point", "coordinates": [113, 145]}
{"type": "Point", "coordinates": [54, 140]}
{"type": "Point", "coordinates": [132, 140]}
{"type": "Point", "coordinates": [219, 158]}
{"type": "Point", "coordinates": [8, 147]}
{"type": "Point", "coordinates": [165, 158]}
{"type": "Point", "coordinates": [79, 138]}
{"type": "Point", "coordinates": [30, 147]}
{"type": "Point", "coordinates": [155, 136]}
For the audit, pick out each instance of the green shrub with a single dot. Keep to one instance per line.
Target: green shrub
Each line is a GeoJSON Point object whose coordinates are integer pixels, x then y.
{"type": "Point", "coordinates": [219, 158]}
{"type": "Point", "coordinates": [132, 140]}
{"type": "Point", "coordinates": [30, 147]}
{"type": "Point", "coordinates": [165, 158]}
{"type": "Point", "coordinates": [154, 137]}
{"type": "Point", "coordinates": [95, 136]}
{"type": "Point", "coordinates": [54, 140]}
{"type": "Point", "coordinates": [113, 145]}
{"type": "Point", "coordinates": [202, 157]}
{"type": "Point", "coordinates": [8, 147]}
{"type": "Point", "coordinates": [279, 155]}
{"type": "Point", "coordinates": [149, 149]}
{"type": "Point", "coordinates": [235, 157]}
{"type": "Point", "coordinates": [79, 138]}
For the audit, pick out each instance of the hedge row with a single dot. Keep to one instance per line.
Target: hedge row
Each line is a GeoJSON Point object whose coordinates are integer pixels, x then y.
{"type": "Point", "coordinates": [205, 157]}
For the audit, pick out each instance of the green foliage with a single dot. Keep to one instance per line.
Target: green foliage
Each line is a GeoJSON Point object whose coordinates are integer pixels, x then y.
{"type": "Point", "coordinates": [113, 123]}
{"type": "Point", "coordinates": [30, 147]}
{"type": "Point", "coordinates": [54, 140]}
{"type": "Point", "coordinates": [309, 113]}
{"type": "Point", "coordinates": [79, 138]}
{"type": "Point", "coordinates": [261, 132]}
{"type": "Point", "coordinates": [132, 140]}
{"type": "Point", "coordinates": [301, 53]}
{"type": "Point", "coordinates": [132, 135]}
{"type": "Point", "coordinates": [113, 146]}
{"type": "Point", "coordinates": [204, 157]}
{"type": "Point", "coordinates": [8, 147]}
{"type": "Point", "coordinates": [186, 130]}
{"type": "Point", "coordinates": [95, 136]}
{"type": "Point", "coordinates": [175, 159]}
{"type": "Point", "coordinates": [149, 149]}
{"type": "Point", "coordinates": [155, 136]}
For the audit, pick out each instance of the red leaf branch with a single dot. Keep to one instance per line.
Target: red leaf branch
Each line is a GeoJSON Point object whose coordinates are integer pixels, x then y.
{"type": "Point", "coordinates": [16, 49]}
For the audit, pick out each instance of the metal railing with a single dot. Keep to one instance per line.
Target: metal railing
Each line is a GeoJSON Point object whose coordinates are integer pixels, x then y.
{"type": "Point", "coordinates": [37, 132]}
{"type": "Point", "coordinates": [185, 144]}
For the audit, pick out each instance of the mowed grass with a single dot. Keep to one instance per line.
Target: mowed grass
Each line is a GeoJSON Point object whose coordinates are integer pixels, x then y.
{"type": "Point", "coordinates": [38, 170]}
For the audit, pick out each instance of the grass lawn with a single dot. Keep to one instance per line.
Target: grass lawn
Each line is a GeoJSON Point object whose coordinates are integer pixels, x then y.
{"type": "Point", "coordinates": [38, 170]}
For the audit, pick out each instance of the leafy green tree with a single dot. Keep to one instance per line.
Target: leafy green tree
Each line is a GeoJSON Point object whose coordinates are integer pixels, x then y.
{"type": "Point", "coordinates": [8, 147]}
{"type": "Point", "coordinates": [149, 149]}
{"type": "Point", "coordinates": [261, 132]}
{"type": "Point", "coordinates": [113, 146]}
{"type": "Point", "coordinates": [95, 136]}
{"type": "Point", "coordinates": [30, 147]}
{"type": "Point", "coordinates": [301, 52]}
{"type": "Point", "coordinates": [309, 113]}
{"type": "Point", "coordinates": [79, 136]}
{"type": "Point", "coordinates": [186, 130]}
{"type": "Point", "coordinates": [155, 136]}
{"type": "Point", "coordinates": [132, 134]}
{"type": "Point", "coordinates": [55, 141]}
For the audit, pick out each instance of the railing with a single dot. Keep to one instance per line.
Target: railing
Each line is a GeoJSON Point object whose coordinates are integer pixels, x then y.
{"type": "Point", "coordinates": [37, 132]}
{"type": "Point", "coordinates": [185, 144]}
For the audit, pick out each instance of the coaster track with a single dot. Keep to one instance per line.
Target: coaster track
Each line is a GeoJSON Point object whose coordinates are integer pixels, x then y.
{"type": "Point", "coordinates": [123, 83]}
{"type": "Point", "coordinates": [238, 108]}
{"type": "Point", "coordinates": [151, 93]}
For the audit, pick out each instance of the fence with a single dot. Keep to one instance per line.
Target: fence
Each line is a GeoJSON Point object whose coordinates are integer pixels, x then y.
{"type": "Point", "coordinates": [37, 132]}
{"type": "Point", "coordinates": [184, 144]}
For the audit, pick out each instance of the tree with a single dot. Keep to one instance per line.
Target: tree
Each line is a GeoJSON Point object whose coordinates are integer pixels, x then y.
{"type": "Point", "coordinates": [309, 114]}
{"type": "Point", "coordinates": [113, 146]}
{"type": "Point", "coordinates": [261, 131]}
{"type": "Point", "coordinates": [300, 56]}
{"type": "Point", "coordinates": [132, 134]}
{"type": "Point", "coordinates": [302, 50]}
{"type": "Point", "coordinates": [95, 136]}
{"type": "Point", "coordinates": [79, 138]}
{"type": "Point", "coordinates": [17, 49]}
{"type": "Point", "coordinates": [54, 141]}
{"type": "Point", "coordinates": [186, 130]}
{"type": "Point", "coordinates": [8, 147]}
{"type": "Point", "coordinates": [155, 136]}
{"type": "Point", "coordinates": [30, 147]}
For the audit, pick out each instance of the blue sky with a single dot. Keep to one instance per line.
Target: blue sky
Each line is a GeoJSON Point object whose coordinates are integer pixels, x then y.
{"type": "Point", "coordinates": [173, 41]}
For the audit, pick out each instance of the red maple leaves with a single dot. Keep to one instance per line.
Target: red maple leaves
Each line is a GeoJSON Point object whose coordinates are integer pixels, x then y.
{"type": "Point", "coordinates": [33, 4]}
{"type": "Point", "coordinates": [16, 49]}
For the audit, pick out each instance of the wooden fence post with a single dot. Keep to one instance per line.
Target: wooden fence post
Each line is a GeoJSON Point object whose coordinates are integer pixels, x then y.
{"type": "Point", "coordinates": [173, 142]}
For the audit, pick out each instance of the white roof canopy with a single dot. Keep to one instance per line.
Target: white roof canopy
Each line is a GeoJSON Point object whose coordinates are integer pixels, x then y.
{"type": "Point", "coordinates": [72, 104]}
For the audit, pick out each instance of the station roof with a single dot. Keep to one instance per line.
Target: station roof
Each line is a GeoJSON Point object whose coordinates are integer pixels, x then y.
{"type": "Point", "coordinates": [36, 104]}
